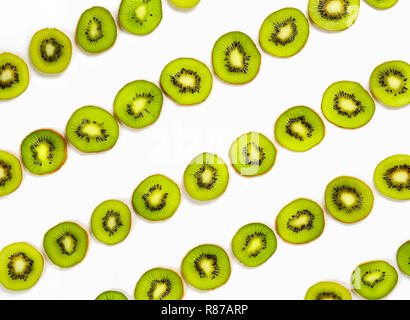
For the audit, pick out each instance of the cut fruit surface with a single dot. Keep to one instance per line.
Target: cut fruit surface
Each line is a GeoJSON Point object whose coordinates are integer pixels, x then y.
{"type": "Point", "coordinates": [11, 174]}
{"type": "Point", "coordinates": [327, 291]}
{"type": "Point", "coordinates": [140, 16]}
{"type": "Point", "coordinates": [14, 76]}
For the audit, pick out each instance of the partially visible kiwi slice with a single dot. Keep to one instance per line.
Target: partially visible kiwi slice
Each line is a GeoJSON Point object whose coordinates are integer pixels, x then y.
{"type": "Point", "coordinates": [382, 4]}
{"type": "Point", "coordinates": [10, 173]}
{"type": "Point", "coordinates": [327, 291]}
{"type": "Point", "coordinates": [140, 16]}
{"type": "Point", "coordinates": [185, 3]}
{"type": "Point", "coordinates": [111, 295]}
{"type": "Point", "coordinates": [14, 76]}
{"type": "Point", "coordinates": [403, 258]}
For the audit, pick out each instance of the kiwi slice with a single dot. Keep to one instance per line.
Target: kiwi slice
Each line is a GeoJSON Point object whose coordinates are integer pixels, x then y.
{"type": "Point", "coordinates": [252, 154]}
{"type": "Point", "coordinates": [10, 173]}
{"type": "Point", "coordinates": [159, 284]}
{"type": "Point", "coordinates": [96, 30]}
{"type": "Point", "coordinates": [382, 4]}
{"type": "Point", "coordinates": [299, 129]}
{"type": "Point", "coordinates": [92, 129]}
{"type": "Point", "coordinates": [111, 221]}
{"type": "Point", "coordinates": [284, 33]}
{"type": "Point", "coordinates": [374, 280]}
{"type": "Point", "coordinates": [185, 3]}
{"type": "Point", "coordinates": [156, 198]}
{"type": "Point", "coordinates": [50, 50]}
{"type": "Point", "coordinates": [390, 82]}
{"type": "Point", "coordinates": [403, 258]}
{"type": "Point", "coordinates": [300, 221]}
{"type": "Point", "coordinates": [206, 177]}
{"type": "Point", "coordinates": [392, 177]}
{"type": "Point", "coordinates": [66, 244]}
{"type": "Point", "coordinates": [14, 76]}
{"type": "Point", "coordinates": [334, 14]}
{"type": "Point", "coordinates": [138, 104]}
{"type": "Point", "coordinates": [140, 16]}
{"type": "Point", "coordinates": [111, 295]}
{"type": "Point", "coordinates": [235, 58]}
{"type": "Point", "coordinates": [206, 267]}
{"type": "Point", "coordinates": [327, 291]}
{"type": "Point", "coordinates": [186, 81]}
{"type": "Point", "coordinates": [254, 244]}
{"type": "Point", "coordinates": [21, 266]}
{"type": "Point", "coordinates": [348, 199]}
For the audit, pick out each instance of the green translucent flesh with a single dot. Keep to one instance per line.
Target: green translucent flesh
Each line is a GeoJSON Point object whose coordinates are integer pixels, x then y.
{"type": "Point", "coordinates": [10, 173]}
{"type": "Point", "coordinates": [186, 81]}
{"type": "Point", "coordinates": [206, 267]}
{"type": "Point", "coordinates": [392, 177]}
{"type": "Point", "coordinates": [299, 129]}
{"type": "Point", "coordinates": [96, 30]}
{"type": "Point", "coordinates": [156, 198]}
{"type": "Point", "coordinates": [403, 258]}
{"type": "Point", "coordinates": [159, 284]}
{"type": "Point", "coordinates": [235, 58]}
{"type": "Point", "coordinates": [111, 295]}
{"type": "Point", "coordinates": [14, 76]}
{"type": "Point", "coordinates": [348, 199]}
{"type": "Point", "coordinates": [390, 83]}
{"type": "Point", "coordinates": [300, 221]}
{"type": "Point", "coordinates": [50, 51]}
{"type": "Point", "coordinates": [252, 154]}
{"type": "Point", "coordinates": [92, 129]}
{"type": "Point", "coordinates": [327, 291]}
{"type": "Point", "coordinates": [138, 104]}
{"type": "Point", "coordinates": [334, 14]}
{"type": "Point", "coordinates": [185, 3]}
{"type": "Point", "coordinates": [374, 280]}
{"type": "Point", "coordinates": [206, 177]}
{"type": "Point", "coordinates": [284, 33]}
{"type": "Point", "coordinates": [254, 244]}
{"type": "Point", "coordinates": [382, 4]}
{"type": "Point", "coordinates": [140, 16]}
{"type": "Point", "coordinates": [66, 244]}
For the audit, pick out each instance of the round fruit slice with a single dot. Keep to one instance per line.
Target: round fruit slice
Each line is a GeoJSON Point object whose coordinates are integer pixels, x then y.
{"type": "Point", "coordinates": [206, 267]}
{"type": "Point", "coordinates": [10, 173]}
{"type": "Point", "coordinates": [403, 258]}
{"type": "Point", "coordinates": [185, 3]}
{"type": "Point", "coordinates": [14, 76]}
{"type": "Point", "coordinates": [284, 33]}
{"type": "Point", "coordinates": [327, 291]}
{"type": "Point", "coordinates": [140, 16]}
{"type": "Point", "coordinates": [111, 295]}
{"type": "Point", "coordinates": [382, 4]}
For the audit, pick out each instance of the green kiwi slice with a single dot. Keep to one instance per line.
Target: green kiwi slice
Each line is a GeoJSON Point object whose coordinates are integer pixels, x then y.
{"type": "Point", "coordinates": [111, 221]}
{"type": "Point", "coordinates": [235, 58]}
{"type": "Point", "coordinates": [159, 284]}
{"type": "Point", "coordinates": [326, 290]}
{"type": "Point", "coordinates": [403, 258]}
{"type": "Point", "coordinates": [96, 30]}
{"type": "Point", "coordinates": [156, 198]}
{"type": "Point", "coordinates": [111, 295]}
{"type": "Point", "coordinates": [348, 199]}
{"type": "Point", "coordinates": [14, 76]}
{"type": "Point", "coordinates": [50, 50]}
{"type": "Point", "coordinates": [390, 83]}
{"type": "Point", "coordinates": [21, 265]}
{"type": "Point", "coordinates": [254, 244]}
{"type": "Point", "coordinates": [140, 16]}
{"type": "Point", "coordinates": [299, 129]}
{"type": "Point", "coordinates": [382, 4]}
{"type": "Point", "coordinates": [185, 3]}
{"type": "Point", "coordinates": [206, 267]}
{"type": "Point", "coordinates": [334, 14]}
{"type": "Point", "coordinates": [284, 33]}
{"type": "Point", "coordinates": [11, 174]}
{"type": "Point", "coordinates": [66, 244]}
{"type": "Point", "coordinates": [392, 177]}
{"type": "Point", "coordinates": [300, 221]}
{"type": "Point", "coordinates": [374, 280]}
{"type": "Point", "coordinates": [138, 104]}
{"type": "Point", "coordinates": [92, 129]}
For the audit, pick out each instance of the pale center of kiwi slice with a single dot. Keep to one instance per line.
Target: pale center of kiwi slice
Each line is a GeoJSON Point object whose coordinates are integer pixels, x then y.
{"type": "Point", "coordinates": [236, 59]}
{"type": "Point", "coordinates": [335, 7]}
{"type": "Point", "coordinates": [155, 199]}
{"type": "Point", "coordinates": [394, 82]}
{"type": "Point", "coordinates": [348, 199]}
{"type": "Point", "coordinates": [49, 49]}
{"type": "Point", "coordinates": [207, 266]}
{"type": "Point", "coordinates": [300, 129]}
{"type": "Point", "coordinates": [68, 244]}
{"type": "Point", "coordinates": [187, 80]}
{"type": "Point", "coordinates": [400, 177]}
{"type": "Point", "coordinates": [94, 30]}
{"type": "Point", "coordinates": [42, 151]}
{"type": "Point", "coordinates": [347, 105]}
{"type": "Point", "coordinates": [300, 221]}
{"type": "Point", "coordinates": [141, 11]}
{"type": "Point", "coordinates": [254, 153]}
{"type": "Point", "coordinates": [139, 104]}
{"type": "Point", "coordinates": [371, 278]}
{"type": "Point", "coordinates": [255, 245]}
{"type": "Point", "coordinates": [6, 75]}
{"type": "Point", "coordinates": [159, 290]}
{"type": "Point", "coordinates": [91, 129]}
{"type": "Point", "coordinates": [327, 296]}
{"type": "Point", "coordinates": [19, 264]}
{"type": "Point", "coordinates": [207, 176]}
{"type": "Point", "coordinates": [3, 173]}
{"type": "Point", "coordinates": [111, 222]}
{"type": "Point", "coordinates": [285, 32]}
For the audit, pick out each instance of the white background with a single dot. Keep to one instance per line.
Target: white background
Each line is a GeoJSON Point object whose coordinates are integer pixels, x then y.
{"type": "Point", "coordinates": [183, 132]}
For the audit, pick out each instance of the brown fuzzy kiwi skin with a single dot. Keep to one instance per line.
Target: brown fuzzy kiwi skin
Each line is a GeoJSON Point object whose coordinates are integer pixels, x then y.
{"type": "Point", "coordinates": [28, 76]}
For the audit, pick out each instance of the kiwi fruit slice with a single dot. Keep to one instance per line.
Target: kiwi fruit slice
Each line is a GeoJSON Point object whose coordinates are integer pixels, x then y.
{"type": "Point", "coordinates": [206, 177]}
{"type": "Point", "coordinates": [50, 50]}
{"type": "Point", "coordinates": [382, 4]}
{"type": "Point", "coordinates": [185, 3]}
{"type": "Point", "coordinates": [140, 16]}
{"type": "Point", "coordinates": [186, 81]}
{"type": "Point", "coordinates": [252, 154]}
{"type": "Point", "coordinates": [392, 177]}
{"type": "Point", "coordinates": [334, 15]}
{"type": "Point", "coordinates": [348, 199]}
{"type": "Point", "coordinates": [92, 129]}
{"type": "Point", "coordinates": [403, 258]}
{"type": "Point", "coordinates": [138, 104]}
{"type": "Point", "coordinates": [300, 221]}
{"type": "Point", "coordinates": [325, 290]}
{"type": "Point", "coordinates": [206, 267]}
{"type": "Point", "coordinates": [111, 295]}
{"type": "Point", "coordinates": [111, 221]}
{"type": "Point", "coordinates": [284, 33]}
{"type": "Point", "coordinates": [374, 280]}
{"type": "Point", "coordinates": [159, 284]}
{"type": "Point", "coordinates": [14, 76]}
{"type": "Point", "coordinates": [66, 244]}
{"type": "Point", "coordinates": [21, 265]}
{"type": "Point", "coordinates": [96, 30]}
{"type": "Point", "coordinates": [10, 173]}
{"type": "Point", "coordinates": [156, 198]}
{"type": "Point", "coordinates": [299, 129]}
{"type": "Point", "coordinates": [390, 82]}
{"type": "Point", "coordinates": [254, 244]}
{"type": "Point", "coordinates": [235, 58]}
